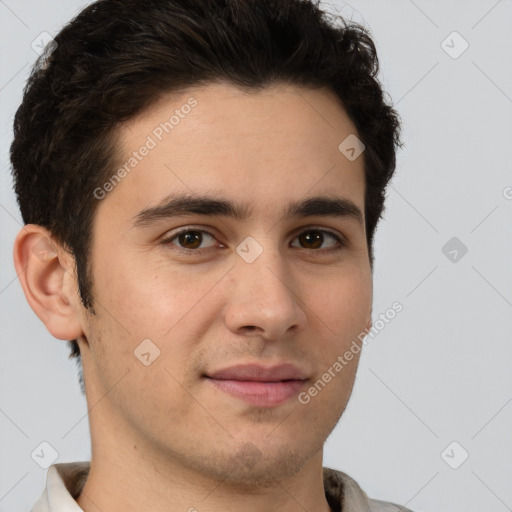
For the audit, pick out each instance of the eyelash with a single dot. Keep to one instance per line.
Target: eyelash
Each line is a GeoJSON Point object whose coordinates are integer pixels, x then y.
{"type": "Point", "coordinates": [168, 240]}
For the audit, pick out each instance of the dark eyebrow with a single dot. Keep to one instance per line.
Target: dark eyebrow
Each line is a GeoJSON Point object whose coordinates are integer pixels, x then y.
{"type": "Point", "coordinates": [325, 206]}
{"type": "Point", "coordinates": [180, 205]}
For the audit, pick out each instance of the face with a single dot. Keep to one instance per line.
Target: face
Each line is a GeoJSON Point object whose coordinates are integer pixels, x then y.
{"type": "Point", "coordinates": [183, 291]}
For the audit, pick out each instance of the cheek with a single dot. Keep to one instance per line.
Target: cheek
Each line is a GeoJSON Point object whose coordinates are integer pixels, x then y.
{"type": "Point", "coordinates": [151, 299]}
{"type": "Point", "coordinates": [339, 313]}
{"type": "Point", "coordinates": [342, 311]}
{"type": "Point", "coordinates": [343, 303]}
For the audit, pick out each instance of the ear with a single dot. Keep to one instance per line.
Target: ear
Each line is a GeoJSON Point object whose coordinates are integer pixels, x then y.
{"type": "Point", "coordinates": [47, 275]}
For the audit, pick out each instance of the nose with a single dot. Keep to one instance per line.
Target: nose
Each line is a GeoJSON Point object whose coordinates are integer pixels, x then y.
{"type": "Point", "coordinates": [264, 299]}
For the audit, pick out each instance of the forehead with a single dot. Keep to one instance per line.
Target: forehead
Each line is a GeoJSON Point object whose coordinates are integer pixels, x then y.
{"type": "Point", "coordinates": [221, 114]}
{"type": "Point", "coordinates": [273, 144]}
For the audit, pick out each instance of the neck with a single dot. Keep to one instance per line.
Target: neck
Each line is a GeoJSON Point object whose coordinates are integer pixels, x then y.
{"type": "Point", "coordinates": [137, 479]}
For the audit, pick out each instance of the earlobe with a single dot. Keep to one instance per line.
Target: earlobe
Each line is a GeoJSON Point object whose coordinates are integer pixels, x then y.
{"type": "Point", "coordinates": [46, 274]}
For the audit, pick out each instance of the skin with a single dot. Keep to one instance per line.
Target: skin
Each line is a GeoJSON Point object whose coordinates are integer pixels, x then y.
{"type": "Point", "coordinates": [164, 438]}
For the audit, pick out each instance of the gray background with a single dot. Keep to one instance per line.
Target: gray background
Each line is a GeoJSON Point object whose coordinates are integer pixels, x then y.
{"type": "Point", "coordinates": [440, 371]}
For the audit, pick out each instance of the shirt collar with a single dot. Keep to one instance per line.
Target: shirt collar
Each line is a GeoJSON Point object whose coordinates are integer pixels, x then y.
{"type": "Point", "coordinates": [64, 482]}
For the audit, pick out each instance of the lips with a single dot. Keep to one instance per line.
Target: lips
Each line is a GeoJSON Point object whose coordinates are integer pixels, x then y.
{"type": "Point", "coordinates": [255, 372]}
{"type": "Point", "coordinates": [259, 385]}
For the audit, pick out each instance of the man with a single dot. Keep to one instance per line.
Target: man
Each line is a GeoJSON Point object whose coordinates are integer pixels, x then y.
{"type": "Point", "coordinates": [200, 183]}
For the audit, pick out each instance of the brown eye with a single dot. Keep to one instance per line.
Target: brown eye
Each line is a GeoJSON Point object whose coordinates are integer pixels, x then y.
{"type": "Point", "coordinates": [314, 238]}
{"type": "Point", "coordinates": [190, 239]}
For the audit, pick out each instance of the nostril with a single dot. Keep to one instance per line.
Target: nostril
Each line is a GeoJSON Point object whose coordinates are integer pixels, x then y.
{"type": "Point", "coordinates": [250, 328]}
